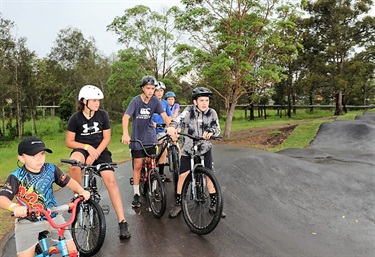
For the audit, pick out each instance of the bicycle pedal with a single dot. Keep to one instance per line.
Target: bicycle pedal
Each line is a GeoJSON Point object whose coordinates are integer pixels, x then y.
{"type": "Point", "coordinates": [106, 209]}
{"type": "Point", "coordinates": [131, 181]}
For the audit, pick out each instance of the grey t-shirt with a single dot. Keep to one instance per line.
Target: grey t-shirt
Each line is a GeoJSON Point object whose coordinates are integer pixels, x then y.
{"type": "Point", "coordinates": [142, 126]}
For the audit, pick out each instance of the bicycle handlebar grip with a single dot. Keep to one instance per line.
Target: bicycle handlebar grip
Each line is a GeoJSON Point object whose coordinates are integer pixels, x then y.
{"type": "Point", "coordinates": [68, 161]}
{"type": "Point", "coordinates": [62, 208]}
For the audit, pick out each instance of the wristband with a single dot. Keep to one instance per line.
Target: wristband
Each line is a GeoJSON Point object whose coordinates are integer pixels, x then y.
{"type": "Point", "coordinates": [10, 208]}
{"type": "Point", "coordinates": [86, 147]}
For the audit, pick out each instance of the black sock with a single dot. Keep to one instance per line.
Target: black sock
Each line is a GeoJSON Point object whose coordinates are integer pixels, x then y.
{"type": "Point", "coordinates": [178, 199]}
{"type": "Point", "coordinates": [161, 168]}
{"type": "Point", "coordinates": [213, 198]}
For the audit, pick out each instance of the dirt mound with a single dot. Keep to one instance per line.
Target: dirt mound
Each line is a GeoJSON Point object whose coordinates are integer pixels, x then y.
{"type": "Point", "coordinates": [260, 138]}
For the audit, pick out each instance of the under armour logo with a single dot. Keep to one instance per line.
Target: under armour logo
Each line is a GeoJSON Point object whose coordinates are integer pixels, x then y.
{"type": "Point", "coordinates": [92, 129]}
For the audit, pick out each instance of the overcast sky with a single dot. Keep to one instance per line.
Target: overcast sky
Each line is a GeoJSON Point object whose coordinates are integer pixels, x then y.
{"type": "Point", "coordinates": [41, 20]}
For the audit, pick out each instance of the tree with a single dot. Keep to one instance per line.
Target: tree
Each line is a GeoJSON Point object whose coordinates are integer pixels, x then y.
{"type": "Point", "coordinates": [123, 83]}
{"type": "Point", "coordinates": [340, 27]}
{"type": "Point", "coordinates": [76, 62]}
{"type": "Point", "coordinates": [151, 34]}
{"type": "Point", "coordinates": [237, 46]}
{"type": "Point", "coordinates": [22, 89]}
{"type": "Point", "coordinates": [7, 45]}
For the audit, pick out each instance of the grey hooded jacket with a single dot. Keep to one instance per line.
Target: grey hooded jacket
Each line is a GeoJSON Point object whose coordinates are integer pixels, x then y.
{"type": "Point", "coordinates": [194, 122]}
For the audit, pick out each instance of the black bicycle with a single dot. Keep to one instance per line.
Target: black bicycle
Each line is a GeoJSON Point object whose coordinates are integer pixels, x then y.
{"type": "Point", "coordinates": [202, 199]}
{"type": "Point", "coordinates": [173, 156]}
{"type": "Point", "coordinates": [89, 226]}
{"type": "Point", "coordinates": [151, 185]}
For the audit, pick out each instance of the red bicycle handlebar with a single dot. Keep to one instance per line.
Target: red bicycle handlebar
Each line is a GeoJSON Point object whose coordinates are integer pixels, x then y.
{"type": "Point", "coordinates": [65, 207]}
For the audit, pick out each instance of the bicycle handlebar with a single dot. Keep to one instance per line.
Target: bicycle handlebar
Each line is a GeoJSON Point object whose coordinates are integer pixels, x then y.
{"type": "Point", "coordinates": [97, 167]}
{"type": "Point", "coordinates": [195, 138]}
{"type": "Point", "coordinates": [57, 209]}
{"type": "Point", "coordinates": [165, 137]}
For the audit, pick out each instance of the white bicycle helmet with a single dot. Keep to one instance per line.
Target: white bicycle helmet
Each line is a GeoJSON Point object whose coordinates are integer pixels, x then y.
{"type": "Point", "coordinates": [160, 85]}
{"type": "Point", "coordinates": [90, 92]}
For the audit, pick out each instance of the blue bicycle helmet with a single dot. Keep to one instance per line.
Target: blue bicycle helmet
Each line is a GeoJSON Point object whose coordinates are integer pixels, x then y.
{"type": "Point", "coordinates": [169, 94]}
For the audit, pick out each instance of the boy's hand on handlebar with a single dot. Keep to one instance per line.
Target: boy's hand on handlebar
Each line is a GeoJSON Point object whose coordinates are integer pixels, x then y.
{"type": "Point", "coordinates": [19, 211]}
{"type": "Point", "coordinates": [207, 135]}
{"type": "Point", "coordinates": [172, 132]}
{"type": "Point", "coordinates": [85, 194]}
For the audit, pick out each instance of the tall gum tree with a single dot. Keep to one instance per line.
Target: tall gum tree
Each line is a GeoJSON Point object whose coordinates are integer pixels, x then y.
{"type": "Point", "coordinates": [236, 47]}
{"type": "Point", "coordinates": [341, 27]}
{"type": "Point", "coordinates": [150, 33]}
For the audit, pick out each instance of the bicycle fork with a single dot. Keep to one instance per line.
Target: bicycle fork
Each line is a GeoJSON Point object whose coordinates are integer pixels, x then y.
{"type": "Point", "coordinates": [194, 190]}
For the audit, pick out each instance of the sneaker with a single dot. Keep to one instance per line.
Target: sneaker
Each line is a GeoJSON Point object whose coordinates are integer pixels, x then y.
{"type": "Point", "coordinates": [212, 210]}
{"type": "Point", "coordinates": [123, 226]}
{"type": "Point", "coordinates": [136, 202]}
{"type": "Point", "coordinates": [175, 211]}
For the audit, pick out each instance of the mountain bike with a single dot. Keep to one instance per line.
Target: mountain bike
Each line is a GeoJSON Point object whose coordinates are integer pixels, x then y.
{"type": "Point", "coordinates": [202, 200]}
{"type": "Point", "coordinates": [173, 157]}
{"type": "Point", "coordinates": [150, 185]}
{"type": "Point", "coordinates": [89, 227]}
{"type": "Point", "coordinates": [42, 248]}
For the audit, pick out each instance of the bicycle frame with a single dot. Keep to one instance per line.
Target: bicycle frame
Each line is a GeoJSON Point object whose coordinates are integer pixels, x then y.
{"type": "Point", "coordinates": [60, 246]}
{"type": "Point", "coordinates": [89, 183]}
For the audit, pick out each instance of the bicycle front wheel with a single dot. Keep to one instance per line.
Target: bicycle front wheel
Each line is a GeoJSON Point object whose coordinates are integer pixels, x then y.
{"type": "Point", "coordinates": [156, 194]}
{"type": "Point", "coordinates": [174, 165]}
{"type": "Point", "coordinates": [202, 210]}
{"type": "Point", "coordinates": [89, 228]}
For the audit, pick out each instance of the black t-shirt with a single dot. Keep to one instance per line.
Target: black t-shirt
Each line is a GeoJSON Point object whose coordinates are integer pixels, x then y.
{"type": "Point", "coordinates": [89, 131]}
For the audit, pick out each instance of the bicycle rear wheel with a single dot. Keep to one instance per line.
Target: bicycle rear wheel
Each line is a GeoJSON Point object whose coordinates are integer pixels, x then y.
{"type": "Point", "coordinates": [89, 228]}
{"type": "Point", "coordinates": [174, 165]}
{"type": "Point", "coordinates": [156, 195]}
{"type": "Point", "coordinates": [200, 214]}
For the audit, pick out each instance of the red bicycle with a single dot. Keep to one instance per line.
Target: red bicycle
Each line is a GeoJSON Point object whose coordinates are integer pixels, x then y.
{"type": "Point", "coordinates": [42, 248]}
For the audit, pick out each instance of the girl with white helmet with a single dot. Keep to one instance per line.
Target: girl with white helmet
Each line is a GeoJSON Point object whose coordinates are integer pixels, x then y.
{"type": "Point", "coordinates": [89, 134]}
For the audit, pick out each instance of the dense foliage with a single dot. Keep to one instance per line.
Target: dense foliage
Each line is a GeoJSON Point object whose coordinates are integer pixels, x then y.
{"type": "Point", "coordinates": [247, 52]}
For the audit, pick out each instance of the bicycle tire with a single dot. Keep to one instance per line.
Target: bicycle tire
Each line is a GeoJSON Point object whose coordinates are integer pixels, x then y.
{"type": "Point", "coordinates": [156, 194]}
{"type": "Point", "coordinates": [89, 235]}
{"type": "Point", "coordinates": [143, 183]}
{"type": "Point", "coordinates": [196, 212]}
{"type": "Point", "coordinates": [174, 165]}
